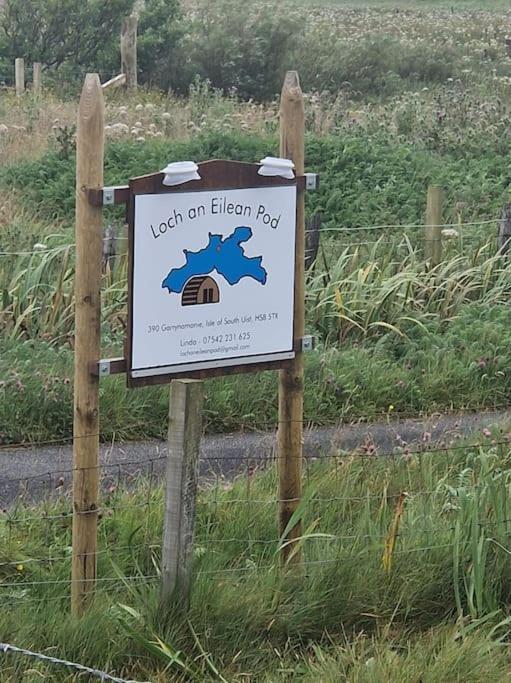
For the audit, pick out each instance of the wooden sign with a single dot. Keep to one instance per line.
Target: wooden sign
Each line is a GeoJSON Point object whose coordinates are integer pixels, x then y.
{"type": "Point", "coordinates": [212, 273]}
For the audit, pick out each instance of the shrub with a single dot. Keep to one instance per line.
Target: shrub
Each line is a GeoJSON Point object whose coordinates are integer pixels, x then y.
{"type": "Point", "coordinates": [58, 31]}
{"type": "Point", "coordinates": [239, 48]}
{"type": "Point", "coordinates": [377, 65]}
{"type": "Point", "coordinates": [365, 180]}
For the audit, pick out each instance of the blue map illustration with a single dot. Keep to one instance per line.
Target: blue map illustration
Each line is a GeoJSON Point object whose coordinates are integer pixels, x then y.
{"type": "Point", "coordinates": [225, 255]}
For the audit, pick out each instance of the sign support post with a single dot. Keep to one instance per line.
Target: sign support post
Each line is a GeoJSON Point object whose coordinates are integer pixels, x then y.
{"type": "Point", "coordinates": [89, 174]}
{"type": "Point", "coordinates": [185, 431]}
{"type": "Point", "coordinates": [290, 429]}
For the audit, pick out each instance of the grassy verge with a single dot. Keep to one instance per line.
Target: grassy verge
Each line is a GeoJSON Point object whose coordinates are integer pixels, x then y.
{"type": "Point", "coordinates": [432, 607]}
{"type": "Point", "coordinates": [462, 364]}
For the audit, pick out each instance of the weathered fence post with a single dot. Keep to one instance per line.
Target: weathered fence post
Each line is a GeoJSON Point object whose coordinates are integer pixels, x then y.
{"type": "Point", "coordinates": [504, 236]}
{"type": "Point", "coordinates": [36, 78]}
{"type": "Point", "coordinates": [434, 221]}
{"type": "Point", "coordinates": [129, 51]}
{"type": "Point", "coordinates": [312, 233]}
{"type": "Point", "coordinates": [89, 174]}
{"type": "Point", "coordinates": [290, 430]}
{"type": "Point", "coordinates": [185, 431]}
{"type": "Point", "coordinates": [19, 76]}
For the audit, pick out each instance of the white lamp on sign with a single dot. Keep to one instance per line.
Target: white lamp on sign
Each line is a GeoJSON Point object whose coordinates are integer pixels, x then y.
{"type": "Point", "coordinates": [180, 172]}
{"type": "Point", "coordinates": [273, 166]}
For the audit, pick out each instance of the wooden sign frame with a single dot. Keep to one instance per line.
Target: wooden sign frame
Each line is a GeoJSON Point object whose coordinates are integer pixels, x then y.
{"type": "Point", "coordinates": [214, 175]}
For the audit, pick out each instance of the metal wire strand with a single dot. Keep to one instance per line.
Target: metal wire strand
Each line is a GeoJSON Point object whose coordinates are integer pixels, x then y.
{"type": "Point", "coordinates": [7, 648]}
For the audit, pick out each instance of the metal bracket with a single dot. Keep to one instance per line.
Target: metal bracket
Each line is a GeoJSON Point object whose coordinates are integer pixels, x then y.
{"type": "Point", "coordinates": [311, 181]}
{"type": "Point", "coordinates": [103, 368]}
{"type": "Point", "coordinates": [308, 343]}
{"type": "Point", "coordinates": [108, 366]}
{"type": "Point", "coordinates": [108, 196]}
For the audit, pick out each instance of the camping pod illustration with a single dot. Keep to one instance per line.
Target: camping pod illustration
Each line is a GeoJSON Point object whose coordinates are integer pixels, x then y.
{"type": "Point", "coordinates": [200, 290]}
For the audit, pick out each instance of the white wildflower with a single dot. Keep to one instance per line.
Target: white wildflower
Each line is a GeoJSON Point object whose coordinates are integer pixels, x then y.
{"type": "Point", "coordinates": [120, 127]}
{"type": "Point", "coordinates": [450, 233]}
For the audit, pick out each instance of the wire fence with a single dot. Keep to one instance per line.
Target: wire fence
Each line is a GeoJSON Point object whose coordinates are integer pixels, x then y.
{"type": "Point", "coordinates": [36, 575]}
{"type": "Point", "coordinates": [7, 649]}
{"type": "Point", "coordinates": [43, 250]}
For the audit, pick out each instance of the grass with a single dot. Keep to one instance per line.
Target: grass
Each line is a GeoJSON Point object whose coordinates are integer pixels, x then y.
{"type": "Point", "coordinates": [432, 608]}
{"type": "Point", "coordinates": [391, 330]}
{"type": "Point", "coordinates": [430, 366]}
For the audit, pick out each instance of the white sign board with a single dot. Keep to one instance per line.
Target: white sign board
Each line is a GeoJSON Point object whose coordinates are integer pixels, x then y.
{"type": "Point", "coordinates": [213, 279]}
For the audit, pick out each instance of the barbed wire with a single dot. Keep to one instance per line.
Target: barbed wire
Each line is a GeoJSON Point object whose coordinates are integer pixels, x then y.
{"type": "Point", "coordinates": [389, 417]}
{"type": "Point", "coordinates": [320, 537]}
{"type": "Point", "coordinates": [69, 555]}
{"type": "Point", "coordinates": [442, 489]}
{"type": "Point", "coordinates": [94, 580]}
{"type": "Point", "coordinates": [7, 648]}
{"type": "Point", "coordinates": [45, 250]}
{"type": "Point", "coordinates": [327, 536]}
{"type": "Point", "coordinates": [406, 226]}
{"type": "Point", "coordinates": [429, 448]}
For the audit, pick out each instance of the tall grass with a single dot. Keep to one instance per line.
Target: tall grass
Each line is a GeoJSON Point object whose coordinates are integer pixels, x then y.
{"type": "Point", "coordinates": [366, 292]}
{"type": "Point", "coordinates": [360, 293]}
{"type": "Point", "coordinates": [448, 562]}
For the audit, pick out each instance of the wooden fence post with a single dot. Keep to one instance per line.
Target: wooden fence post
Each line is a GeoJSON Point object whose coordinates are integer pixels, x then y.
{"type": "Point", "coordinates": [36, 78]}
{"type": "Point", "coordinates": [504, 236]}
{"type": "Point", "coordinates": [89, 174]}
{"type": "Point", "coordinates": [434, 221]}
{"type": "Point", "coordinates": [290, 430]}
{"type": "Point", "coordinates": [19, 75]}
{"type": "Point", "coordinates": [312, 234]}
{"type": "Point", "coordinates": [129, 51]}
{"type": "Point", "coordinates": [185, 431]}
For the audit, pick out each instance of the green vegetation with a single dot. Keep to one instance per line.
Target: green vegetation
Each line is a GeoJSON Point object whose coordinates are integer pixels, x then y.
{"type": "Point", "coordinates": [395, 100]}
{"type": "Point", "coordinates": [430, 366]}
{"type": "Point", "coordinates": [392, 331]}
{"type": "Point", "coordinates": [363, 52]}
{"type": "Point", "coordinates": [429, 609]}
{"type": "Point", "coordinates": [70, 37]}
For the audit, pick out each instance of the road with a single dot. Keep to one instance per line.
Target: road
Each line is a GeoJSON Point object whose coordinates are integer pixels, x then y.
{"type": "Point", "coordinates": [33, 473]}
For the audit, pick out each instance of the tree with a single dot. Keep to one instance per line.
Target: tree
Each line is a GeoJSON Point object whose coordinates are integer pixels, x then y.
{"type": "Point", "coordinates": [159, 35]}
{"type": "Point", "coordinates": [54, 32]}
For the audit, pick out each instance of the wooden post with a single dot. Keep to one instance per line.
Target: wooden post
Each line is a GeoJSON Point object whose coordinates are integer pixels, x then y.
{"type": "Point", "coordinates": [129, 51]}
{"type": "Point", "coordinates": [290, 431]}
{"type": "Point", "coordinates": [312, 232]}
{"type": "Point", "coordinates": [108, 252]}
{"type": "Point", "coordinates": [89, 174]}
{"type": "Point", "coordinates": [19, 73]}
{"type": "Point", "coordinates": [185, 431]}
{"type": "Point", "coordinates": [36, 79]}
{"type": "Point", "coordinates": [504, 236]}
{"type": "Point", "coordinates": [434, 221]}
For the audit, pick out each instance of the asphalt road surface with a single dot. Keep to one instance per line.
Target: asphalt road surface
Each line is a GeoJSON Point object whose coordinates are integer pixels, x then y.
{"type": "Point", "coordinates": [32, 474]}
